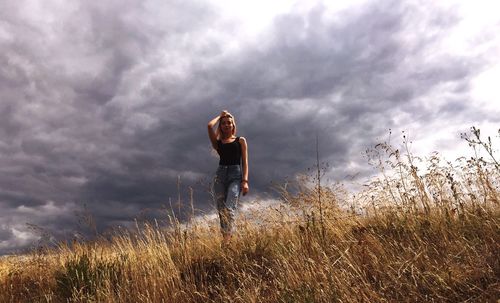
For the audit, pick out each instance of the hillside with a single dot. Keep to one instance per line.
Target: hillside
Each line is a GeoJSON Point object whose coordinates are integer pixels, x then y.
{"type": "Point", "coordinates": [409, 236]}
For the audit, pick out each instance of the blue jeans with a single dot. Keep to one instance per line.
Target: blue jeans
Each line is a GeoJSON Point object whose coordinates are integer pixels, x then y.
{"type": "Point", "coordinates": [227, 188]}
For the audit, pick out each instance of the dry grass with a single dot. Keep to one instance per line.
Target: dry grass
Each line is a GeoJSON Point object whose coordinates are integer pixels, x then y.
{"type": "Point", "coordinates": [433, 237]}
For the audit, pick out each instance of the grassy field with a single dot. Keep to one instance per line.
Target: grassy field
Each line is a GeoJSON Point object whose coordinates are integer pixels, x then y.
{"type": "Point", "coordinates": [412, 235]}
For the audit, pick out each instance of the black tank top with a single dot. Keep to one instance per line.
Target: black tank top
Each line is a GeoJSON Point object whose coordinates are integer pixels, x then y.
{"type": "Point", "coordinates": [230, 153]}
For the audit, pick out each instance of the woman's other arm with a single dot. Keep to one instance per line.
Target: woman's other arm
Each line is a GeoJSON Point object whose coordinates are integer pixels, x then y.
{"type": "Point", "coordinates": [244, 161]}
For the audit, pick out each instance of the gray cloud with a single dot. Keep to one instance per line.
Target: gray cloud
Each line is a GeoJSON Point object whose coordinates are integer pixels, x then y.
{"type": "Point", "coordinates": [105, 104]}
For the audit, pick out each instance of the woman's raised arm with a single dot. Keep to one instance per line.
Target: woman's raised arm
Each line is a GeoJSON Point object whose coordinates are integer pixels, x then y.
{"type": "Point", "coordinates": [211, 132]}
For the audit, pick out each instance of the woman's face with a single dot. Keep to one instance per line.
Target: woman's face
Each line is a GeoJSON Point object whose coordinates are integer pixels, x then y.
{"type": "Point", "coordinates": [226, 125]}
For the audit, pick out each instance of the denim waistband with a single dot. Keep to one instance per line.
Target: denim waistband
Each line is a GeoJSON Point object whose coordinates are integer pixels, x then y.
{"type": "Point", "coordinates": [229, 166]}
{"type": "Point", "coordinates": [229, 170]}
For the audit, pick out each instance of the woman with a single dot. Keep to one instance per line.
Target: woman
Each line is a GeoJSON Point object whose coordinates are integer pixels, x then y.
{"type": "Point", "coordinates": [232, 174]}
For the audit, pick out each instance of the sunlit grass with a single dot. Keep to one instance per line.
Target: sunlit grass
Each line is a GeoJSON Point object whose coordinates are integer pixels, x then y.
{"type": "Point", "coordinates": [410, 236]}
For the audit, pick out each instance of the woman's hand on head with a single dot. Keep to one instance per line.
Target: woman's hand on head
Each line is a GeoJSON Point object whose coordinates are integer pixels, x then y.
{"type": "Point", "coordinates": [223, 113]}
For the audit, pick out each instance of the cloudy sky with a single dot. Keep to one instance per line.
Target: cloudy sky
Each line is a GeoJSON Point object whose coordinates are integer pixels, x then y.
{"type": "Point", "coordinates": [104, 104]}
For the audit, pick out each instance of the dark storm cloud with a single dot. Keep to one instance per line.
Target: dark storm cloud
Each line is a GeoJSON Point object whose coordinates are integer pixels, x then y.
{"type": "Point", "coordinates": [106, 104]}
{"type": "Point", "coordinates": [61, 65]}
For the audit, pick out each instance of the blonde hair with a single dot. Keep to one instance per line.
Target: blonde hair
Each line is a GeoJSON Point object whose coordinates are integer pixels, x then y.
{"type": "Point", "coordinates": [219, 131]}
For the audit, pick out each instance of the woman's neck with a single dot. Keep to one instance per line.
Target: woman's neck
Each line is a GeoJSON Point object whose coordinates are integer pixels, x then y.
{"type": "Point", "coordinates": [226, 137]}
